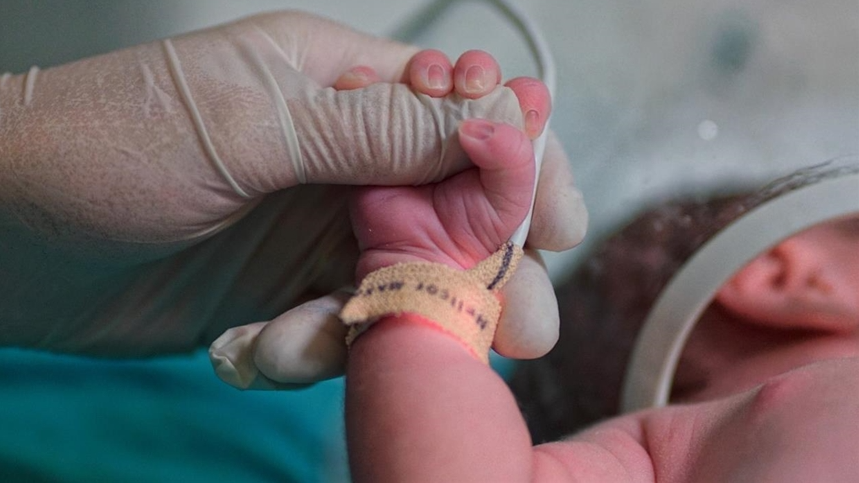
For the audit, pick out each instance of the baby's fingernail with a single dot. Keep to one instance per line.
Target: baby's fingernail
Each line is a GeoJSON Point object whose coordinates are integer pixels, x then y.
{"type": "Point", "coordinates": [475, 79]}
{"type": "Point", "coordinates": [357, 74]}
{"type": "Point", "coordinates": [355, 78]}
{"type": "Point", "coordinates": [435, 77]}
{"type": "Point", "coordinates": [533, 124]}
{"type": "Point", "coordinates": [477, 129]}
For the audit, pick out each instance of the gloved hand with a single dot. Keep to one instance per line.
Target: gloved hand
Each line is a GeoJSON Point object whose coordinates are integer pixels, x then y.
{"type": "Point", "coordinates": [307, 342]}
{"type": "Point", "coordinates": [142, 193]}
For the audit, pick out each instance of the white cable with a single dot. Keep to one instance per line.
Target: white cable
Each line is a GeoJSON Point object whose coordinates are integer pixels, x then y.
{"type": "Point", "coordinates": [542, 56]}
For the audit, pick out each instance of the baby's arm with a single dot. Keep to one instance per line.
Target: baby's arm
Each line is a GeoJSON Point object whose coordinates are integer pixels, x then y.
{"type": "Point", "coordinates": [419, 406]}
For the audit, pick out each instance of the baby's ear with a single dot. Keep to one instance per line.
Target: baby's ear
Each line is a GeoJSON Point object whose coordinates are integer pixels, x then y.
{"type": "Point", "coordinates": [796, 285]}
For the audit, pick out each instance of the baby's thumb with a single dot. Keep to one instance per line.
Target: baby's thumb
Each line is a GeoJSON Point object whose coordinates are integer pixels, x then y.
{"type": "Point", "coordinates": [304, 345]}
{"type": "Point", "coordinates": [386, 134]}
{"type": "Point", "coordinates": [505, 157]}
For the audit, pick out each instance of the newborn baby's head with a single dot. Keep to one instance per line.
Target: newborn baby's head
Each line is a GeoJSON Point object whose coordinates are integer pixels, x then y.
{"type": "Point", "coordinates": [604, 304]}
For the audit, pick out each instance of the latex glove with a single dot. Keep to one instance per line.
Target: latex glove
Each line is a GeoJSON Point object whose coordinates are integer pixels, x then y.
{"type": "Point", "coordinates": [128, 180]}
{"type": "Point", "coordinates": [175, 140]}
{"type": "Point", "coordinates": [307, 342]}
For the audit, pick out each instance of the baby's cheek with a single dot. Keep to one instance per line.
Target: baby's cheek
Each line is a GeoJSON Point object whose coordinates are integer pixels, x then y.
{"type": "Point", "coordinates": [791, 428]}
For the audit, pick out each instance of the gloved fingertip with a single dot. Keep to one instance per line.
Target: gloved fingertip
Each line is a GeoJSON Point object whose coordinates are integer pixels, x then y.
{"type": "Point", "coordinates": [227, 371]}
{"type": "Point", "coordinates": [529, 323]}
{"type": "Point", "coordinates": [231, 355]}
{"type": "Point", "coordinates": [306, 344]}
{"type": "Point", "coordinates": [560, 223]}
{"type": "Point", "coordinates": [560, 215]}
{"type": "Point", "coordinates": [527, 336]}
{"type": "Point", "coordinates": [579, 212]}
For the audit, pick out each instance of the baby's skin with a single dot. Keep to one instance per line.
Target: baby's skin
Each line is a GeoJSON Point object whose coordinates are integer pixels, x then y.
{"type": "Point", "coordinates": [420, 407]}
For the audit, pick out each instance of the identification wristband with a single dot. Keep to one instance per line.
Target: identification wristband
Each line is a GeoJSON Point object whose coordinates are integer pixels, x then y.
{"type": "Point", "coordinates": [462, 303]}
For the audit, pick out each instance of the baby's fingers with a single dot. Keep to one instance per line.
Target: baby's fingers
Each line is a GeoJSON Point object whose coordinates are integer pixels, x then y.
{"type": "Point", "coordinates": [534, 101]}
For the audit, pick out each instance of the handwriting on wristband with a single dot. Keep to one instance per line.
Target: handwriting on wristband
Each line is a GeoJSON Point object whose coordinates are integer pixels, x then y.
{"type": "Point", "coordinates": [461, 302]}
{"type": "Point", "coordinates": [457, 302]}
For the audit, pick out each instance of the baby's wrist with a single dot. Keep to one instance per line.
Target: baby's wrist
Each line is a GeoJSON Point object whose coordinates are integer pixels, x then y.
{"type": "Point", "coordinates": [373, 260]}
{"type": "Point", "coordinates": [422, 328]}
{"type": "Point", "coordinates": [461, 303]}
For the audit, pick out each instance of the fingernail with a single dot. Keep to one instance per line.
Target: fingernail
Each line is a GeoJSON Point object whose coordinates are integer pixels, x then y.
{"type": "Point", "coordinates": [475, 79]}
{"type": "Point", "coordinates": [436, 78]}
{"type": "Point", "coordinates": [357, 74]}
{"type": "Point", "coordinates": [532, 122]}
{"type": "Point", "coordinates": [477, 129]}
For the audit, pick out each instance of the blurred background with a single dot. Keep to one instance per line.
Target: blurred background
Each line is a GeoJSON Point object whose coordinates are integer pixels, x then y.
{"type": "Point", "coordinates": [656, 98]}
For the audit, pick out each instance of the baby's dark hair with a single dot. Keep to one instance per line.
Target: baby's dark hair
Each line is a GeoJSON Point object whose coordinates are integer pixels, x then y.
{"type": "Point", "coordinates": [605, 302]}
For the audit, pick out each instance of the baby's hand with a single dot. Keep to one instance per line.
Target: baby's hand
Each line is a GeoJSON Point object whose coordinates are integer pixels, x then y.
{"type": "Point", "coordinates": [430, 224]}
{"type": "Point", "coordinates": [465, 218]}
{"type": "Point", "coordinates": [459, 221]}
